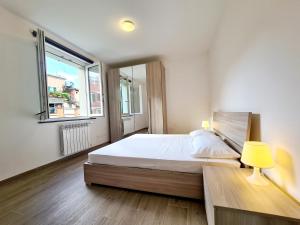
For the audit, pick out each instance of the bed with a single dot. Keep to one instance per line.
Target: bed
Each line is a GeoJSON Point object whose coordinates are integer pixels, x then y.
{"type": "Point", "coordinates": [163, 163]}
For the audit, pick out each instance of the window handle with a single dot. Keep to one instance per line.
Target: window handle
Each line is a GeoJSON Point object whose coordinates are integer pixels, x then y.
{"type": "Point", "coordinates": [40, 114]}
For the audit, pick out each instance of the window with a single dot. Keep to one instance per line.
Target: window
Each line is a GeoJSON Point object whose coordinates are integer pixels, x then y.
{"type": "Point", "coordinates": [70, 84]}
{"type": "Point", "coordinates": [95, 91]}
{"type": "Point", "coordinates": [52, 109]}
{"type": "Point", "coordinates": [136, 99]}
{"type": "Point", "coordinates": [66, 85]}
{"type": "Point", "coordinates": [124, 90]}
{"type": "Point", "coordinates": [131, 97]}
{"type": "Point", "coordinates": [51, 89]}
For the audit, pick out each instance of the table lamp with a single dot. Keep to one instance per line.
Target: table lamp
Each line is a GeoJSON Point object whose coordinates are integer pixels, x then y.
{"type": "Point", "coordinates": [258, 155]}
{"type": "Point", "coordinates": [205, 124]}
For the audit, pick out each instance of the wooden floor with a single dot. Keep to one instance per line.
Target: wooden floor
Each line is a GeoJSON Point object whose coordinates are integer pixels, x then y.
{"type": "Point", "coordinates": [141, 131]}
{"type": "Point", "coordinates": [58, 195]}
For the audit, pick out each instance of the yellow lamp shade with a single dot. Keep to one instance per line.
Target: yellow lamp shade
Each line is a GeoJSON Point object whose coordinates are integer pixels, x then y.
{"type": "Point", "coordinates": [257, 154]}
{"type": "Point", "coordinates": [205, 124]}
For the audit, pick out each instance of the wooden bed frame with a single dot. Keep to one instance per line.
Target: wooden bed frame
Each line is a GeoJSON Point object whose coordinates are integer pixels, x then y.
{"type": "Point", "coordinates": [233, 127]}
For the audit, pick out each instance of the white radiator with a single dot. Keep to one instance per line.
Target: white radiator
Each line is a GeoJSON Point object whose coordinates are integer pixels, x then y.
{"type": "Point", "coordinates": [74, 138]}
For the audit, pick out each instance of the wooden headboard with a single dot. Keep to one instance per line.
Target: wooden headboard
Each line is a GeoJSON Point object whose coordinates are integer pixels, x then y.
{"type": "Point", "coordinates": [233, 127]}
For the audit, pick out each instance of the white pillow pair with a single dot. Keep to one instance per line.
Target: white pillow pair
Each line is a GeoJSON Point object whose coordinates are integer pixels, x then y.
{"type": "Point", "coordinates": [208, 145]}
{"type": "Point", "coordinates": [200, 132]}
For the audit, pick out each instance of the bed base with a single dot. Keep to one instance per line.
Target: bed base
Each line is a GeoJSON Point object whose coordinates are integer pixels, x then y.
{"type": "Point", "coordinates": [189, 185]}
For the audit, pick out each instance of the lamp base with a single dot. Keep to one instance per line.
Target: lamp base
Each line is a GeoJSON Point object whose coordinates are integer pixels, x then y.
{"type": "Point", "coordinates": [257, 178]}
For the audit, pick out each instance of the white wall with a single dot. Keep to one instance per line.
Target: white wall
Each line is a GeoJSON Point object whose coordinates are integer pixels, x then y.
{"type": "Point", "coordinates": [255, 64]}
{"type": "Point", "coordinates": [187, 92]}
{"type": "Point", "coordinates": [25, 144]}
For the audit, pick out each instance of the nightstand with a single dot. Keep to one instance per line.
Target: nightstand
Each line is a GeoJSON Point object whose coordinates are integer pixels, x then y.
{"type": "Point", "coordinates": [231, 200]}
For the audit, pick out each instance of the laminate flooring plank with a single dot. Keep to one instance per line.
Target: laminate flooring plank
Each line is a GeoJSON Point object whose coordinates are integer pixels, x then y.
{"type": "Point", "coordinates": [58, 195]}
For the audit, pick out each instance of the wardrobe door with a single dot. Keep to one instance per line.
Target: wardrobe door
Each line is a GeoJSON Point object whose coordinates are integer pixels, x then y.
{"type": "Point", "coordinates": [156, 98]}
{"type": "Point", "coordinates": [164, 101]}
{"type": "Point", "coordinates": [115, 121]}
{"type": "Point", "coordinates": [125, 96]}
{"type": "Point", "coordinates": [139, 105]}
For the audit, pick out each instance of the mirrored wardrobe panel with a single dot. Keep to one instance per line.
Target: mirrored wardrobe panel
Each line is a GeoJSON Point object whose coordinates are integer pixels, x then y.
{"type": "Point", "coordinates": [133, 99]}
{"type": "Point", "coordinates": [136, 100]}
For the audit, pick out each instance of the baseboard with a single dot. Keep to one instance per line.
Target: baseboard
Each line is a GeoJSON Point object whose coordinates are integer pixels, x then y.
{"type": "Point", "coordinates": [135, 132]}
{"type": "Point", "coordinates": [10, 179]}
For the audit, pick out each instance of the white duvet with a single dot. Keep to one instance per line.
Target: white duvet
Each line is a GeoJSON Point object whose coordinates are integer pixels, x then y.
{"type": "Point", "coordinates": [156, 151]}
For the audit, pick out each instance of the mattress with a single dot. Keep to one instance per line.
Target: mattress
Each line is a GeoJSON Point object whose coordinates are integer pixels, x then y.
{"type": "Point", "coordinates": [156, 151]}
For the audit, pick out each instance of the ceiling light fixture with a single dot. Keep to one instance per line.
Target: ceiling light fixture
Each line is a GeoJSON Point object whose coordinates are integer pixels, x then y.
{"type": "Point", "coordinates": [127, 25]}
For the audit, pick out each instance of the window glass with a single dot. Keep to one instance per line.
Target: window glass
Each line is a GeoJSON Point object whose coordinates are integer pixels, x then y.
{"type": "Point", "coordinates": [66, 82]}
{"type": "Point", "coordinates": [136, 98]}
{"type": "Point", "coordinates": [70, 83]}
{"type": "Point", "coordinates": [124, 90]}
{"type": "Point", "coordinates": [95, 90]}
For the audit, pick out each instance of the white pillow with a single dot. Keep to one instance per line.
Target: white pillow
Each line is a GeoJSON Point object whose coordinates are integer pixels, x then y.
{"type": "Point", "coordinates": [211, 146]}
{"type": "Point", "coordinates": [200, 132]}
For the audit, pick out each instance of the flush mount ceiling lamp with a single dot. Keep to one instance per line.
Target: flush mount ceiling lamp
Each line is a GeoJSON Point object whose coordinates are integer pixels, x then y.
{"type": "Point", "coordinates": [127, 25]}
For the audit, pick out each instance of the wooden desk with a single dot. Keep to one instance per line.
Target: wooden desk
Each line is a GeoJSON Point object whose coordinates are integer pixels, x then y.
{"type": "Point", "coordinates": [231, 200]}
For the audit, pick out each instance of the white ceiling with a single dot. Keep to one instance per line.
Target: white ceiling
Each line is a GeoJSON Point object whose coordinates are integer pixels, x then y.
{"type": "Point", "coordinates": [164, 27]}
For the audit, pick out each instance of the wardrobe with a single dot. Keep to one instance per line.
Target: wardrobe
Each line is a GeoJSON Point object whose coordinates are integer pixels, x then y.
{"type": "Point", "coordinates": [137, 100]}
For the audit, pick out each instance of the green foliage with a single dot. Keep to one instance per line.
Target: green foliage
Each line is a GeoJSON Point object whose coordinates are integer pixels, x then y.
{"type": "Point", "coordinates": [66, 96]}
{"type": "Point", "coordinates": [57, 94]}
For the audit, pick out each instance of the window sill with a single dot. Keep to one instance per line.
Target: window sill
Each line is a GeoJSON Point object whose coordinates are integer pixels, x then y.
{"type": "Point", "coordinates": [58, 120]}
{"type": "Point", "coordinates": [127, 116]}
{"type": "Point", "coordinates": [97, 116]}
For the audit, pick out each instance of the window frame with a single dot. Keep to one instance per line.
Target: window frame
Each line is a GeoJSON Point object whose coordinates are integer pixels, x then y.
{"type": "Point", "coordinates": [44, 113]}
{"type": "Point", "coordinates": [140, 95]}
{"type": "Point", "coordinates": [62, 56]}
{"type": "Point", "coordinates": [128, 102]}
{"type": "Point", "coordinates": [87, 81]}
